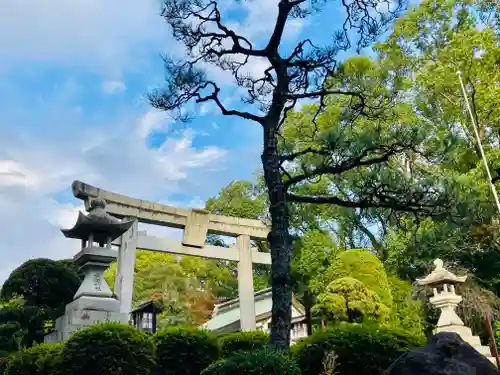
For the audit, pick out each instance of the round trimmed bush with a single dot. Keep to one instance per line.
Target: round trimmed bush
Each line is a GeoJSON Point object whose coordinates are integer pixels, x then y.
{"type": "Point", "coordinates": [185, 350]}
{"type": "Point", "coordinates": [261, 362]}
{"type": "Point", "coordinates": [108, 349]}
{"type": "Point", "coordinates": [360, 348]}
{"type": "Point", "coordinates": [242, 341]}
{"type": "Point", "coordinates": [37, 360]}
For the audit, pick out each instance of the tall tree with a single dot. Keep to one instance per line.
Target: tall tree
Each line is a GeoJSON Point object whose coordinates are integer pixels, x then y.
{"type": "Point", "coordinates": [304, 72]}
{"type": "Point", "coordinates": [431, 43]}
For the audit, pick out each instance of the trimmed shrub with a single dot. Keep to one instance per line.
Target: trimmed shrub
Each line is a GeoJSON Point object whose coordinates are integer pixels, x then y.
{"type": "Point", "coordinates": [37, 360]}
{"type": "Point", "coordinates": [242, 341]}
{"type": "Point", "coordinates": [185, 350]}
{"type": "Point", "coordinates": [262, 362]}
{"type": "Point", "coordinates": [108, 349]}
{"type": "Point", "coordinates": [360, 348]}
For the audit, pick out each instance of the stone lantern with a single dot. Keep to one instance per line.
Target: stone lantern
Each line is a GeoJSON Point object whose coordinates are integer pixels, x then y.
{"type": "Point", "coordinates": [444, 297]}
{"type": "Point", "coordinates": [94, 301]}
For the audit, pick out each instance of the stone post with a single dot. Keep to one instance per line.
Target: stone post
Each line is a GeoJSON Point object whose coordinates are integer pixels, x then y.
{"type": "Point", "coordinates": [245, 284]}
{"type": "Point", "coordinates": [124, 282]}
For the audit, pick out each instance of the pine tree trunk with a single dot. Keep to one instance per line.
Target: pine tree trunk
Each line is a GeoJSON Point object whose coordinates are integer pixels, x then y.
{"type": "Point", "coordinates": [279, 241]}
{"type": "Point", "coordinates": [308, 313]}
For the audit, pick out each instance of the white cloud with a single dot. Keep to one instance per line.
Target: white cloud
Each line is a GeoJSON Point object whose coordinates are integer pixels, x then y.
{"type": "Point", "coordinates": [260, 19]}
{"type": "Point", "coordinates": [35, 170]}
{"type": "Point", "coordinates": [95, 34]}
{"type": "Point", "coordinates": [14, 174]}
{"type": "Point", "coordinates": [152, 120]}
{"type": "Point", "coordinates": [113, 87]}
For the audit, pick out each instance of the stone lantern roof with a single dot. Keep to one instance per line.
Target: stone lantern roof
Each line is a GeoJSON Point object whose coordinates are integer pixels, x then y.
{"type": "Point", "coordinates": [102, 226]}
{"type": "Point", "coordinates": [441, 275]}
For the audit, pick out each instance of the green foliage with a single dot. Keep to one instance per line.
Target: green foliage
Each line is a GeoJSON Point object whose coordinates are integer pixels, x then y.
{"type": "Point", "coordinates": [187, 286]}
{"type": "Point", "coordinates": [37, 360]}
{"type": "Point", "coordinates": [21, 326]}
{"type": "Point", "coordinates": [262, 362]}
{"type": "Point", "coordinates": [353, 287]}
{"type": "Point", "coordinates": [496, 332]}
{"type": "Point", "coordinates": [361, 348]}
{"type": "Point", "coordinates": [348, 299]}
{"type": "Point", "coordinates": [108, 349]}
{"type": "Point", "coordinates": [406, 313]}
{"type": "Point", "coordinates": [245, 341]}
{"type": "Point", "coordinates": [428, 45]}
{"type": "Point", "coordinates": [311, 254]}
{"type": "Point", "coordinates": [44, 283]}
{"type": "Point", "coordinates": [185, 350]}
{"type": "Point", "coordinates": [239, 199]}
{"type": "Point", "coordinates": [361, 265]}
{"type": "Point", "coordinates": [35, 293]}
{"type": "Point", "coordinates": [366, 267]}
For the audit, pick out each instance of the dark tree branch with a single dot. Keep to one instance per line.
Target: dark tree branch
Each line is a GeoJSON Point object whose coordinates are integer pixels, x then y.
{"type": "Point", "coordinates": [323, 93]}
{"type": "Point", "coordinates": [309, 150]}
{"type": "Point", "coordinates": [214, 96]}
{"type": "Point", "coordinates": [351, 163]}
{"type": "Point", "coordinates": [384, 202]}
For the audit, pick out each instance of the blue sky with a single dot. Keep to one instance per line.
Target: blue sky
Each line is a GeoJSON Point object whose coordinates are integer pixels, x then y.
{"type": "Point", "coordinates": [73, 79]}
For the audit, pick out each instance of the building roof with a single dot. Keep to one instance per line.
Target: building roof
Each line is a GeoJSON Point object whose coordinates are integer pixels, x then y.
{"type": "Point", "coordinates": [147, 306]}
{"type": "Point", "coordinates": [228, 312]}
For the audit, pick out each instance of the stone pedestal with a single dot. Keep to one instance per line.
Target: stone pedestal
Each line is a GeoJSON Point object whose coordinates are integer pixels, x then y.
{"type": "Point", "coordinates": [94, 301]}
{"type": "Point", "coordinates": [74, 320]}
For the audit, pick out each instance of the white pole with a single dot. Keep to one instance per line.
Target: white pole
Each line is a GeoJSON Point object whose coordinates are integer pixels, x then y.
{"type": "Point", "coordinates": [479, 145]}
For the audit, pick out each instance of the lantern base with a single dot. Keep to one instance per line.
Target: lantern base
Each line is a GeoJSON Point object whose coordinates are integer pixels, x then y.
{"type": "Point", "coordinates": [85, 312]}
{"type": "Point", "coordinates": [466, 334]}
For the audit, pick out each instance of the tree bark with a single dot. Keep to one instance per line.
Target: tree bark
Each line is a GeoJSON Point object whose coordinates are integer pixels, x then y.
{"type": "Point", "coordinates": [279, 240]}
{"type": "Point", "coordinates": [308, 313]}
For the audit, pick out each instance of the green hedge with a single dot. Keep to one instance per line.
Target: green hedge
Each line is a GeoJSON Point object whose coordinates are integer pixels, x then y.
{"type": "Point", "coordinates": [360, 349]}
{"type": "Point", "coordinates": [37, 360]}
{"type": "Point", "coordinates": [242, 341]}
{"type": "Point", "coordinates": [108, 349]}
{"type": "Point", "coordinates": [261, 362]}
{"type": "Point", "coordinates": [185, 350]}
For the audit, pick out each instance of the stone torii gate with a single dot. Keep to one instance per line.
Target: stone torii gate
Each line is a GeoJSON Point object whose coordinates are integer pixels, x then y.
{"type": "Point", "coordinates": [196, 224]}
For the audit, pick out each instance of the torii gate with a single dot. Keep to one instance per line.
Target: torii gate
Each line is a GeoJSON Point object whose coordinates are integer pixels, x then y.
{"type": "Point", "coordinates": [196, 224]}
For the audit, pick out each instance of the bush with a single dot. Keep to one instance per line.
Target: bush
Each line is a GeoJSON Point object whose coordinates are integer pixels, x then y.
{"type": "Point", "coordinates": [37, 360]}
{"type": "Point", "coordinates": [185, 350]}
{"type": "Point", "coordinates": [108, 349]}
{"type": "Point", "coordinates": [242, 341]}
{"type": "Point", "coordinates": [360, 348]}
{"type": "Point", "coordinates": [261, 362]}
{"type": "Point", "coordinates": [22, 326]}
{"type": "Point", "coordinates": [44, 283]}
